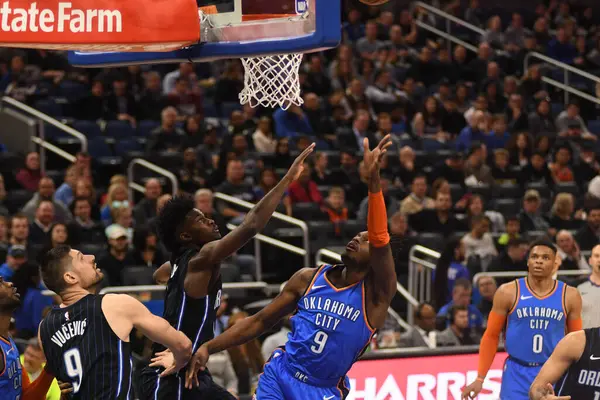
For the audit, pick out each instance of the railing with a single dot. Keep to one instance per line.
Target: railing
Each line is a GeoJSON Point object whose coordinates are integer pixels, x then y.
{"type": "Point", "coordinates": [152, 167]}
{"type": "Point", "coordinates": [567, 69]}
{"type": "Point", "coordinates": [448, 33]}
{"type": "Point", "coordinates": [420, 271]}
{"type": "Point", "coordinates": [401, 289]}
{"type": "Point", "coordinates": [304, 251]}
{"type": "Point", "coordinates": [41, 140]}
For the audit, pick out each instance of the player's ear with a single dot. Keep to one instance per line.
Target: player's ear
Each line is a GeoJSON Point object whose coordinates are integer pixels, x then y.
{"type": "Point", "coordinates": [185, 237]}
{"type": "Point", "coordinates": [70, 278]}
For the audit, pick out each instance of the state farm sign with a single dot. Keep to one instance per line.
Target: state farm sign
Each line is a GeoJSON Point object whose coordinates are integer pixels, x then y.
{"type": "Point", "coordinates": [422, 378]}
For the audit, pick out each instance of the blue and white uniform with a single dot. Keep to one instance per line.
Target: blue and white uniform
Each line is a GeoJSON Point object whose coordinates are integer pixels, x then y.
{"type": "Point", "coordinates": [330, 330]}
{"type": "Point", "coordinates": [534, 327]}
{"type": "Point", "coordinates": [10, 377]}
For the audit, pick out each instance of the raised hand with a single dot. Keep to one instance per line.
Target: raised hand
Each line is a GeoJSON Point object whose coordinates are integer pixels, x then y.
{"type": "Point", "coordinates": [372, 158]}
{"type": "Point", "coordinates": [298, 166]}
{"type": "Point", "coordinates": [198, 363]}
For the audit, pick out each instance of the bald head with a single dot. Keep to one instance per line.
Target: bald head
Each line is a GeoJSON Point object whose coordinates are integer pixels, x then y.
{"type": "Point", "coordinates": [153, 189]}
{"type": "Point", "coordinates": [565, 241]}
{"type": "Point", "coordinates": [594, 260]}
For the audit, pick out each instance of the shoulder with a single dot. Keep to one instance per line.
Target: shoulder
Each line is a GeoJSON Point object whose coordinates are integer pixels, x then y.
{"type": "Point", "coordinates": [299, 282]}
{"type": "Point", "coordinates": [506, 294]}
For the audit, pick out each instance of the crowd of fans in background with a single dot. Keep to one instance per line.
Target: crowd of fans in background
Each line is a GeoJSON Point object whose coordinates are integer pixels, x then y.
{"type": "Point", "coordinates": [486, 158]}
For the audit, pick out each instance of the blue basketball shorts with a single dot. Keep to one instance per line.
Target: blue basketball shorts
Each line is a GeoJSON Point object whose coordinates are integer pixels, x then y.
{"type": "Point", "coordinates": [516, 380]}
{"type": "Point", "coordinates": [280, 382]}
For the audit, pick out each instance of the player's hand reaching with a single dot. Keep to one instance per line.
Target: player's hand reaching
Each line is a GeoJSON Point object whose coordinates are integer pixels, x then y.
{"type": "Point", "coordinates": [166, 360]}
{"type": "Point", "coordinates": [471, 391]}
{"type": "Point", "coordinates": [547, 393]}
{"type": "Point", "coordinates": [65, 390]}
{"type": "Point", "coordinates": [298, 166]}
{"type": "Point", "coordinates": [198, 363]}
{"type": "Point", "coordinates": [372, 158]}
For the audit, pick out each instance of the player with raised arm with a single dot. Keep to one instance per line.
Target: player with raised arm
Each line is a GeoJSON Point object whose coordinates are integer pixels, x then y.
{"type": "Point", "coordinates": [338, 308]}
{"type": "Point", "coordinates": [86, 338]}
{"type": "Point", "coordinates": [193, 292]}
{"type": "Point", "coordinates": [536, 310]}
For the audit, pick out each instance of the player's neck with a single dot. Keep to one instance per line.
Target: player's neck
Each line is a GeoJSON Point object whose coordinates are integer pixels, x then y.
{"type": "Point", "coordinates": [72, 296]}
{"type": "Point", "coordinates": [595, 276]}
{"type": "Point", "coordinates": [350, 276]}
{"type": "Point", "coordinates": [4, 324]}
{"type": "Point", "coordinates": [541, 286]}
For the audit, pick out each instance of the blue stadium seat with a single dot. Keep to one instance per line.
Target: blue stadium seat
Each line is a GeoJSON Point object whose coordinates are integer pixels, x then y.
{"type": "Point", "coordinates": [99, 148]}
{"type": "Point", "coordinates": [594, 126]}
{"type": "Point", "coordinates": [506, 207]}
{"type": "Point", "coordinates": [128, 145]}
{"type": "Point", "coordinates": [228, 108]}
{"type": "Point", "coordinates": [52, 132]}
{"type": "Point", "coordinates": [431, 145]}
{"type": "Point", "coordinates": [557, 109]}
{"type": "Point", "coordinates": [209, 109]}
{"type": "Point", "coordinates": [119, 129]}
{"type": "Point", "coordinates": [88, 128]}
{"type": "Point", "coordinates": [145, 127]}
{"type": "Point", "coordinates": [72, 90]}
{"type": "Point", "coordinates": [48, 106]}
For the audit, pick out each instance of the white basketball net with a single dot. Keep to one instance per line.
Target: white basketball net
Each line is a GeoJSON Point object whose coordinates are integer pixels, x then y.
{"type": "Point", "coordinates": [272, 81]}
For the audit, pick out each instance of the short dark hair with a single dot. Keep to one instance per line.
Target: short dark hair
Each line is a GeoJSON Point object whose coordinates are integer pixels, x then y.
{"type": "Point", "coordinates": [171, 217]}
{"type": "Point", "coordinates": [514, 242]}
{"type": "Point", "coordinates": [454, 309]}
{"type": "Point", "coordinates": [52, 267]}
{"type": "Point", "coordinates": [544, 242]}
{"type": "Point", "coordinates": [463, 283]}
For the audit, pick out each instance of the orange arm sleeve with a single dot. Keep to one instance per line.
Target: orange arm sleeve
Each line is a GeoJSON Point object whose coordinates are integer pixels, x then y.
{"type": "Point", "coordinates": [489, 343]}
{"type": "Point", "coordinates": [38, 389]}
{"type": "Point", "coordinates": [377, 220]}
{"type": "Point", "coordinates": [574, 325]}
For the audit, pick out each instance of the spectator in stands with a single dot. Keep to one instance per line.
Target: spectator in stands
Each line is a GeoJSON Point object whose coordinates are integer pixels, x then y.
{"type": "Point", "coordinates": [347, 173]}
{"type": "Point", "coordinates": [28, 282]}
{"type": "Point", "coordinates": [46, 193]}
{"type": "Point", "coordinates": [85, 189]}
{"type": "Point", "coordinates": [263, 139]}
{"type": "Point", "coordinates": [276, 339]}
{"type": "Point", "coordinates": [382, 93]}
{"type": "Point", "coordinates": [589, 291]}
{"type": "Point", "coordinates": [531, 217]}
{"type": "Point", "coordinates": [188, 102]}
{"type": "Point", "coordinates": [588, 167]}
{"type": "Point", "coordinates": [117, 197]}
{"type": "Point", "coordinates": [282, 158]}
{"type": "Point", "coordinates": [118, 257]}
{"type": "Point", "coordinates": [498, 137]}
{"type": "Point", "coordinates": [439, 219]}
{"type": "Point", "coordinates": [152, 101]}
{"type": "Point", "coordinates": [502, 174]}
{"type": "Point", "coordinates": [368, 46]}
{"type": "Point", "coordinates": [222, 372]}
{"type": "Point", "coordinates": [478, 241]}
{"type": "Point", "coordinates": [316, 79]}
{"type": "Point", "coordinates": [267, 180]}
{"type": "Point", "coordinates": [532, 89]}
{"type": "Point", "coordinates": [146, 249]}
{"type": "Point", "coordinates": [425, 70]}
{"type": "Point", "coordinates": [536, 171]}
{"type": "Point", "coordinates": [493, 34]}
{"type": "Point", "coordinates": [291, 122]}
{"type": "Point", "coordinates": [191, 175]}
{"type": "Point", "coordinates": [520, 147]}
{"type": "Point", "coordinates": [84, 229]}
{"type": "Point", "coordinates": [474, 14]}
{"type": "Point", "coordinates": [320, 172]}
{"type": "Point", "coordinates": [478, 66]}
{"type": "Point", "coordinates": [512, 260]}
{"type": "Point", "coordinates": [235, 185]}
{"type": "Point", "coordinates": [408, 168]}
{"type": "Point", "coordinates": [450, 267]}
{"type": "Point", "coordinates": [417, 200]}
{"type": "Point", "coordinates": [146, 208]}
{"type": "Point", "coordinates": [360, 130]}
{"type": "Point", "coordinates": [83, 164]}
{"type": "Point", "coordinates": [517, 117]}
{"type": "Point", "coordinates": [570, 118]}
{"type": "Point", "coordinates": [588, 235]}
{"type": "Point", "coordinates": [569, 252]}
{"type": "Point", "coordinates": [122, 218]}
{"type": "Point", "coordinates": [560, 48]}
{"type": "Point", "coordinates": [541, 120]}
{"type": "Point", "coordinates": [305, 190]}
{"type": "Point", "coordinates": [512, 231]}
{"type": "Point", "coordinates": [424, 325]}
{"type": "Point", "coordinates": [335, 207]}
{"type": "Point", "coordinates": [94, 106]}
{"type": "Point", "coordinates": [476, 170]}
{"type": "Point", "coordinates": [29, 177]}
{"type": "Point", "coordinates": [59, 234]}
{"type": "Point", "coordinates": [431, 116]}
{"type": "Point", "coordinates": [33, 361]}
{"type": "Point", "coordinates": [391, 202]}
{"type": "Point", "coordinates": [168, 136]}
{"type": "Point", "coordinates": [19, 230]}
{"type": "Point", "coordinates": [487, 287]}
{"type": "Point", "coordinates": [474, 132]}
{"type": "Point", "coordinates": [16, 257]}
{"type": "Point", "coordinates": [246, 359]}
{"type": "Point", "coordinates": [514, 37]}
{"type": "Point", "coordinates": [459, 332]}
{"type": "Point", "coordinates": [120, 103]}
{"type": "Point", "coordinates": [39, 230]}
{"type": "Point", "coordinates": [203, 199]}
{"type": "Point", "coordinates": [186, 70]}
{"type": "Point", "coordinates": [560, 168]}
{"type": "Point", "coordinates": [4, 238]}
{"type": "Point", "coordinates": [461, 296]}
{"type": "Point", "coordinates": [64, 193]}
{"type": "Point", "coordinates": [229, 84]}
{"type": "Point", "coordinates": [453, 120]}
{"type": "Point", "coordinates": [561, 215]}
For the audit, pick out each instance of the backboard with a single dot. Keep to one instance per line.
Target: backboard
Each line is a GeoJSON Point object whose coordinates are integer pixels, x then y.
{"type": "Point", "coordinates": [242, 28]}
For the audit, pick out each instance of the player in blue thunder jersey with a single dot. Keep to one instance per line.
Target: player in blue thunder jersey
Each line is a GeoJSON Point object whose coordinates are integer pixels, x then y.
{"type": "Point", "coordinates": [337, 310]}
{"type": "Point", "coordinates": [537, 312]}
{"type": "Point", "coordinates": [10, 365]}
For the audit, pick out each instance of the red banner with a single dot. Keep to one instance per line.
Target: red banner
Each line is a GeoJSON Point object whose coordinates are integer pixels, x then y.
{"type": "Point", "coordinates": [99, 25]}
{"type": "Point", "coordinates": [422, 378]}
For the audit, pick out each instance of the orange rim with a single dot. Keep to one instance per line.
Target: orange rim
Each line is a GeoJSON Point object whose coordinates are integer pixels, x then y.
{"type": "Point", "coordinates": [258, 17]}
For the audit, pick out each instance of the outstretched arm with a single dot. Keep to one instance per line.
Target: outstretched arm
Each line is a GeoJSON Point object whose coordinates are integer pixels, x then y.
{"type": "Point", "coordinates": [382, 261]}
{"type": "Point", "coordinates": [567, 352]}
{"type": "Point", "coordinates": [252, 327]}
{"type": "Point", "coordinates": [214, 252]}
